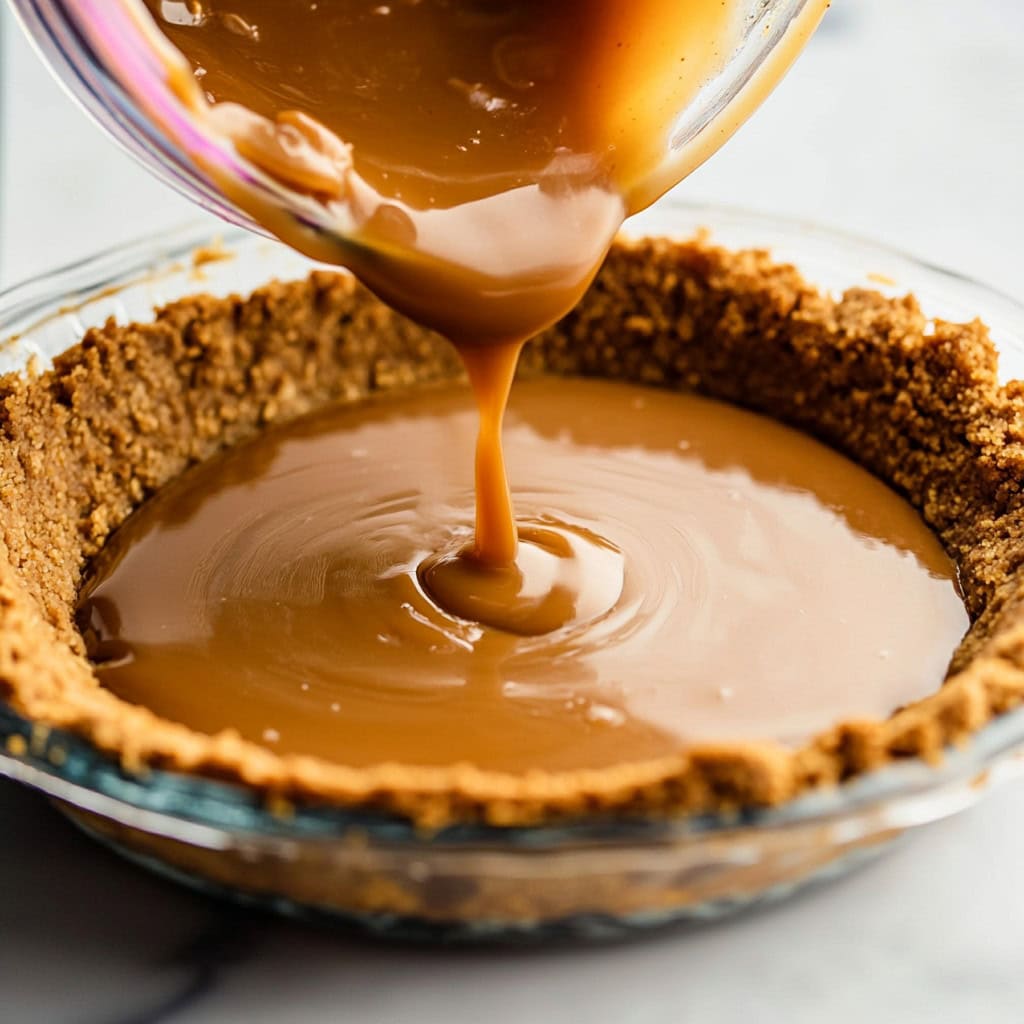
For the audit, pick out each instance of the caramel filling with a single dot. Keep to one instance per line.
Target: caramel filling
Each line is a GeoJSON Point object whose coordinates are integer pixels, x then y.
{"type": "Point", "coordinates": [743, 581]}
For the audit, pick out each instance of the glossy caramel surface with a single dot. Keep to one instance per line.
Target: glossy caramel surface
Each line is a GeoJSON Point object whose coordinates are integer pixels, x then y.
{"type": "Point", "coordinates": [737, 580]}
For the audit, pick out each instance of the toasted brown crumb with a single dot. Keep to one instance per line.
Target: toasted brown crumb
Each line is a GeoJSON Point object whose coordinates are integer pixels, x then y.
{"type": "Point", "coordinates": [131, 406]}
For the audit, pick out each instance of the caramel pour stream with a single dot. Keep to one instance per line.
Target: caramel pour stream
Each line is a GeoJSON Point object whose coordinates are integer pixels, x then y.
{"type": "Point", "coordinates": [491, 370]}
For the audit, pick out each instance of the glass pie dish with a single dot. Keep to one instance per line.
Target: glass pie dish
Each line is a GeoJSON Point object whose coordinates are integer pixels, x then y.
{"type": "Point", "coordinates": [583, 878]}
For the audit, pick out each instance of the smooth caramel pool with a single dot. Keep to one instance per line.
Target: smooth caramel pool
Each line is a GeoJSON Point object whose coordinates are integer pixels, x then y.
{"type": "Point", "coordinates": [766, 586]}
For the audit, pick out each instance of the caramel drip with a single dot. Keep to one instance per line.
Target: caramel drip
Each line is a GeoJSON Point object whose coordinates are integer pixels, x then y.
{"type": "Point", "coordinates": [491, 369]}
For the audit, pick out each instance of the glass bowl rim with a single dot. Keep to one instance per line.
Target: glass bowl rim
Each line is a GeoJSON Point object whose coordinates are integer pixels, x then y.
{"type": "Point", "coordinates": [69, 768]}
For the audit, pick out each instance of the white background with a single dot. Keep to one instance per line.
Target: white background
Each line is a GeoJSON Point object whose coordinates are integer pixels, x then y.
{"type": "Point", "coordinates": [904, 121]}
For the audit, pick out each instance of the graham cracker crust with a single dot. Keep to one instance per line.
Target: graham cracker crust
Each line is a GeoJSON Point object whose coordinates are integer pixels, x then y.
{"type": "Point", "coordinates": [131, 407]}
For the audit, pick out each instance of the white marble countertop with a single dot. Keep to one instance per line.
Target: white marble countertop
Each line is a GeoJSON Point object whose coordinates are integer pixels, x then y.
{"type": "Point", "coordinates": [904, 121]}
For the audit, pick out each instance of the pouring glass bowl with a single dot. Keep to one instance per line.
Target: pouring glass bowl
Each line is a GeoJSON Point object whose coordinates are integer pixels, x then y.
{"type": "Point", "coordinates": [115, 62]}
{"type": "Point", "coordinates": [581, 878]}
